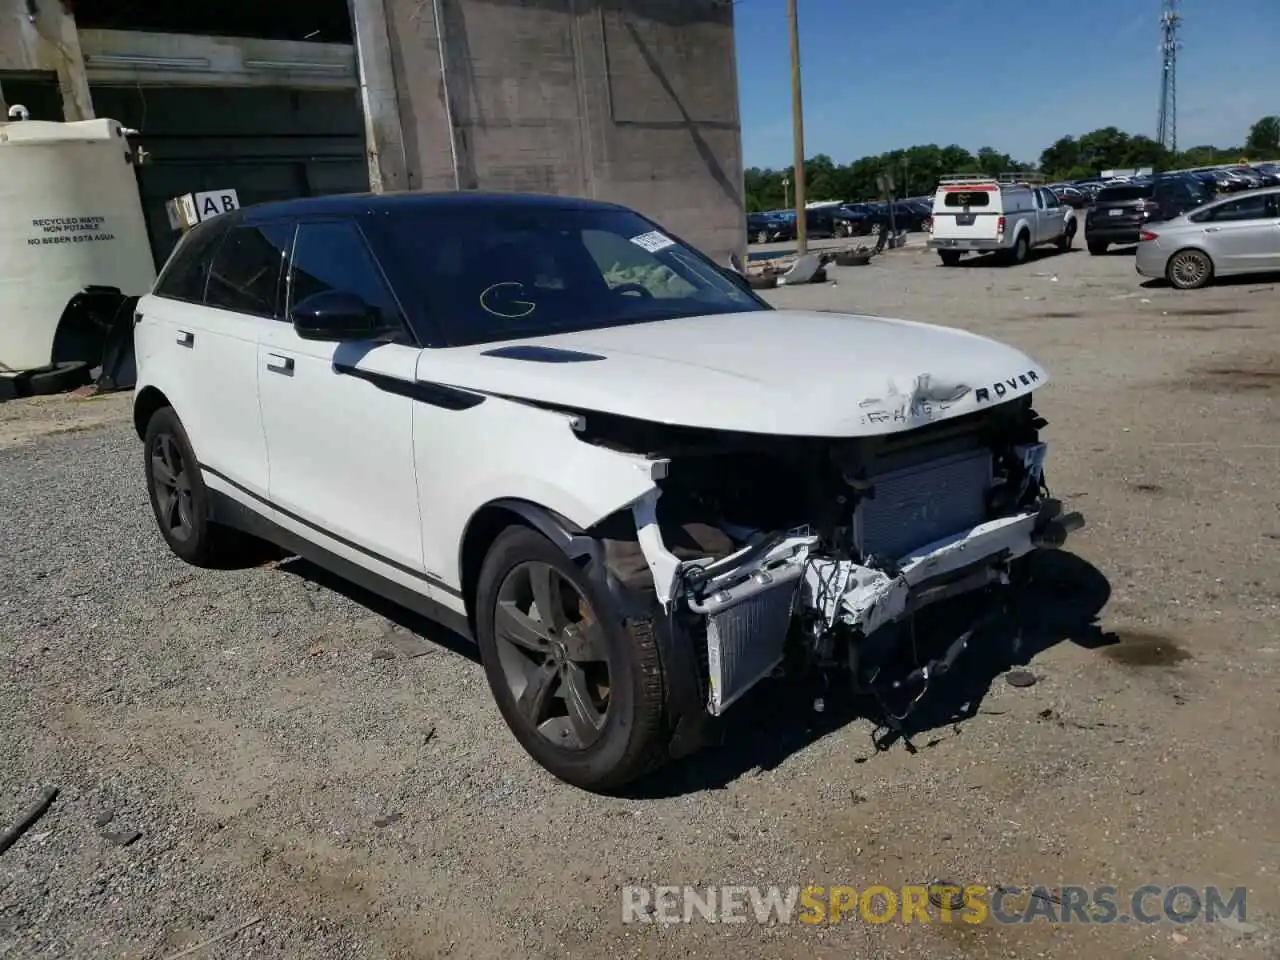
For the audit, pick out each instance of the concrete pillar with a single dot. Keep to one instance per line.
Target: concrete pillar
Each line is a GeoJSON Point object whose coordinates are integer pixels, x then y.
{"type": "Point", "coordinates": [634, 101]}
{"type": "Point", "coordinates": [59, 31]}
{"type": "Point", "coordinates": [384, 132]}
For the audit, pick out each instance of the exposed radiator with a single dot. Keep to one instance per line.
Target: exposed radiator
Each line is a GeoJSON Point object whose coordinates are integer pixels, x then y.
{"type": "Point", "coordinates": [746, 637]}
{"type": "Point", "coordinates": [919, 504]}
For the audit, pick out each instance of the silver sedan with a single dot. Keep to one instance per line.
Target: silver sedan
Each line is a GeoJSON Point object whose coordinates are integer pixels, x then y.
{"type": "Point", "coordinates": [1239, 234]}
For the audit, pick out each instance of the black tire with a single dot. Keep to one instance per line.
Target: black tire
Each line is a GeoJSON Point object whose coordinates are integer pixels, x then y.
{"type": "Point", "coordinates": [60, 378]}
{"type": "Point", "coordinates": [1068, 238]}
{"type": "Point", "coordinates": [184, 520]}
{"type": "Point", "coordinates": [629, 739]}
{"type": "Point", "coordinates": [1189, 269]}
{"type": "Point", "coordinates": [949, 258]}
{"type": "Point", "coordinates": [1021, 247]}
{"type": "Point", "coordinates": [1097, 247]}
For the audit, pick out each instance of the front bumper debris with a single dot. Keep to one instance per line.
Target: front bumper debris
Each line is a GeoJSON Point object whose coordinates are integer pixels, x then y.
{"type": "Point", "coordinates": [750, 600]}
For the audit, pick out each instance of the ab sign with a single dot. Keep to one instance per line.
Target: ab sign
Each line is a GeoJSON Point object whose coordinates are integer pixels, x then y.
{"type": "Point", "coordinates": [191, 208]}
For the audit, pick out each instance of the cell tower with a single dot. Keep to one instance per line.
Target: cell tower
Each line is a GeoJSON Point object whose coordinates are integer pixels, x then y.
{"type": "Point", "coordinates": [1167, 129]}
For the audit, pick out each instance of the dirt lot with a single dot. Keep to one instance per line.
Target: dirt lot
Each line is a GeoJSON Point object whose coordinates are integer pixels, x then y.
{"type": "Point", "coordinates": [290, 755]}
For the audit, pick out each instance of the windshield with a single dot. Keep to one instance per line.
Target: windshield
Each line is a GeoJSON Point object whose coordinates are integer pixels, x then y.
{"type": "Point", "coordinates": [510, 274]}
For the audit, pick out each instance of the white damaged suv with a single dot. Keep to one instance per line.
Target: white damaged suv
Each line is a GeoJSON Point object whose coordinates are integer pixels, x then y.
{"type": "Point", "coordinates": [564, 433]}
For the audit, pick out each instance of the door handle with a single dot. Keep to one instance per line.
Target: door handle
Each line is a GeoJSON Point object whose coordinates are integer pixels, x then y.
{"type": "Point", "coordinates": [1212, 229]}
{"type": "Point", "coordinates": [277, 363]}
{"type": "Point", "coordinates": [186, 338]}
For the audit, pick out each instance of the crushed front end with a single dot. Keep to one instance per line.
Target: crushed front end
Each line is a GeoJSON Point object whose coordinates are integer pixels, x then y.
{"type": "Point", "coordinates": [767, 551]}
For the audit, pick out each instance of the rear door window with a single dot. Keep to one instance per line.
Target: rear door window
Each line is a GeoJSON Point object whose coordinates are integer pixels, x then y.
{"type": "Point", "coordinates": [186, 274]}
{"type": "Point", "coordinates": [245, 274]}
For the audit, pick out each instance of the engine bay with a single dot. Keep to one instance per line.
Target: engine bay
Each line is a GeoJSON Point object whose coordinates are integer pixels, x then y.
{"type": "Point", "coordinates": [809, 551]}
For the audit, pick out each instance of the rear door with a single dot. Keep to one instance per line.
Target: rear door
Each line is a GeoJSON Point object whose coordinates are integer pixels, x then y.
{"type": "Point", "coordinates": [967, 212]}
{"type": "Point", "coordinates": [204, 338]}
{"type": "Point", "coordinates": [1243, 235]}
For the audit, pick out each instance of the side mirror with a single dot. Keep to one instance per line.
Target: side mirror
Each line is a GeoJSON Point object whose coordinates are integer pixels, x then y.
{"type": "Point", "coordinates": [334, 315]}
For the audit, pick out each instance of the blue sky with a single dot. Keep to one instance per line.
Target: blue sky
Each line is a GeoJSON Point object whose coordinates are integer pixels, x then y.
{"type": "Point", "coordinates": [1011, 74]}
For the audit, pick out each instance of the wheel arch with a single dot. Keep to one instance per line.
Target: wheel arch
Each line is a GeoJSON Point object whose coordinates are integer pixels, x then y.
{"type": "Point", "coordinates": [495, 516]}
{"type": "Point", "coordinates": [146, 404]}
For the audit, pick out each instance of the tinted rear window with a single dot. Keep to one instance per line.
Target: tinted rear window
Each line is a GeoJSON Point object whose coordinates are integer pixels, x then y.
{"type": "Point", "coordinates": [967, 198]}
{"type": "Point", "coordinates": [1120, 194]}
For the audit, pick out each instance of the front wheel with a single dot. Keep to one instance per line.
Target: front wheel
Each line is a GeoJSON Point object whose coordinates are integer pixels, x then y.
{"type": "Point", "coordinates": [579, 687]}
{"type": "Point", "coordinates": [1068, 238]}
{"type": "Point", "coordinates": [1189, 269]}
{"type": "Point", "coordinates": [1097, 248]}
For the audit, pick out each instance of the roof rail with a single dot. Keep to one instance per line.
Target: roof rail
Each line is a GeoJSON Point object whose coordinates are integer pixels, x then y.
{"type": "Point", "coordinates": [1021, 176]}
{"type": "Point", "coordinates": [966, 178]}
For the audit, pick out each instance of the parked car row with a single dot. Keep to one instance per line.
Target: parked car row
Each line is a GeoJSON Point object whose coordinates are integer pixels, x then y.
{"type": "Point", "coordinates": [839, 219]}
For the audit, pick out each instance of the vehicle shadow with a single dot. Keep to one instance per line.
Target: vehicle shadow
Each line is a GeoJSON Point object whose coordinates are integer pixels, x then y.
{"type": "Point", "coordinates": [1034, 255]}
{"type": "Point", "coordinates": [1063, 602]}
{"type": "Point", "coordinates": [1235, 280]}
{"type": "Point", "coordinates": [414, 623]}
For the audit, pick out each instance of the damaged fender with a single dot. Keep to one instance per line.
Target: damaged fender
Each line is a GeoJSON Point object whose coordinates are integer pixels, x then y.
{"type": "Point", "coordinates": [507, 450]}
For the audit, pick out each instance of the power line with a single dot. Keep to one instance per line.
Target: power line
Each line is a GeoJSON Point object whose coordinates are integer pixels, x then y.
{"type": "Point", "coordinates": [1167, 126]}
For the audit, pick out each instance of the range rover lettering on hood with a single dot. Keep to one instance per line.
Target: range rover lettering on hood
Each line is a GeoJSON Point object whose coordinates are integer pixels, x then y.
{"type": "Point", "coordinates": [1003, 388]}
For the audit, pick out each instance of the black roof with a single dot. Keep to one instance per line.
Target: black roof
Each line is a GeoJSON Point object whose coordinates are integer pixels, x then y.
{"type": "Point", "coordinates": [471, 200]}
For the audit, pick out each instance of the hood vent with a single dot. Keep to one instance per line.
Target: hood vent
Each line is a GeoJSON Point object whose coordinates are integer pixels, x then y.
{"type": "Point", "coordinates": [536, 354]}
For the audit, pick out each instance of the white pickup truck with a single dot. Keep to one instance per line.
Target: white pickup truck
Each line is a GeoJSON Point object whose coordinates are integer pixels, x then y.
{"type": "Point", "coordinates": [976, 214]}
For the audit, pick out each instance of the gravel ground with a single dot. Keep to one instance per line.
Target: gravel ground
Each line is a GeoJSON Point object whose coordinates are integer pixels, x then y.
{"type": "Point", "coordinates": [257, 745]}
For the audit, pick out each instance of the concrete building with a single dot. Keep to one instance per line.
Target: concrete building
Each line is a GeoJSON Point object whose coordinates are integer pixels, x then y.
{"type": "Point", "coordinates": [627, 100]}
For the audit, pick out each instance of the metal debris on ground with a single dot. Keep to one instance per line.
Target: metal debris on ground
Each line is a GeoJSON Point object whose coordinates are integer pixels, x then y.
{"type": "Point", "coordinates": [28, 819]}
{"type": "Point", "coordinates": [1020, 678]}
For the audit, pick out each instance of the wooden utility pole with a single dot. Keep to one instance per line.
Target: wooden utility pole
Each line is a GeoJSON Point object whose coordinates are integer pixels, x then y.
{"type": "Point", "coordinates": [797, 127]}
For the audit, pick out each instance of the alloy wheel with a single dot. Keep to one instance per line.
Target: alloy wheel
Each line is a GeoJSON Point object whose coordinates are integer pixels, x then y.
{"type": "Point", "coordinates": [171, 484]}
{"type": "Point", "coordinates": [554, 655]}
{"type": "Point", "coordinates": [1188, 269]}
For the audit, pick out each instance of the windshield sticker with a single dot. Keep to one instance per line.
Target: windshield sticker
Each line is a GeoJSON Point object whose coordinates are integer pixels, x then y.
{"type": "Point", "coordinates": [653, 241]}
{"type": "Point", "coordinates": [503, 301]}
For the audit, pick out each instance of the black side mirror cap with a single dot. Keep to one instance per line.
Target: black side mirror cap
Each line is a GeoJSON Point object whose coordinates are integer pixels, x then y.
{"type": "Point", "coordinates": [334, 315]}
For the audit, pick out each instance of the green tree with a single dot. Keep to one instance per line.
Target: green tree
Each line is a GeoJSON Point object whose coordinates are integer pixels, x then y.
{"type": "Point", "coordinates": [1061, 157]}
{"type": "Point", "coordinates": [1263, 141]}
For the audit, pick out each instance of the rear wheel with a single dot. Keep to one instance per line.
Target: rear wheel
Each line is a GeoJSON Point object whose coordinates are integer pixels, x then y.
{"type": "Point", "coordinates": [180, 499]}
{"type": "Point", "coordinates": [1020, 249]}
{"type": "Point", "coordinates": [1097, 247]}
{"type": "Point", "coordinates": [949, 258]}
{"type": "Point", "coordinates": [579, 687]}
{"type": "Point", "coordinates": [1189, 269]}
{"type": "Point", "coordinates": [762, 236]}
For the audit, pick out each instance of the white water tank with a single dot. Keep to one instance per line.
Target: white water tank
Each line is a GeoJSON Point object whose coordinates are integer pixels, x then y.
{"type": "Point", "coordinates": [70, 216]}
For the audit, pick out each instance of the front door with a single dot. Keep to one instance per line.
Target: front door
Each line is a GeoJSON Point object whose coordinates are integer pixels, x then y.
{"type": "Point", "coordinates": [339, 436]}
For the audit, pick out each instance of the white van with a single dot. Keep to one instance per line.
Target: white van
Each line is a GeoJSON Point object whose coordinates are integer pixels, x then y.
{"type": "Point", "coordinates": [973, 213]}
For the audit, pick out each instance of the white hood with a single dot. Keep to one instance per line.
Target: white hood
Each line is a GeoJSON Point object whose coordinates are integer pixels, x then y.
{"type": "Point", "coordinates": [784, 372]}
